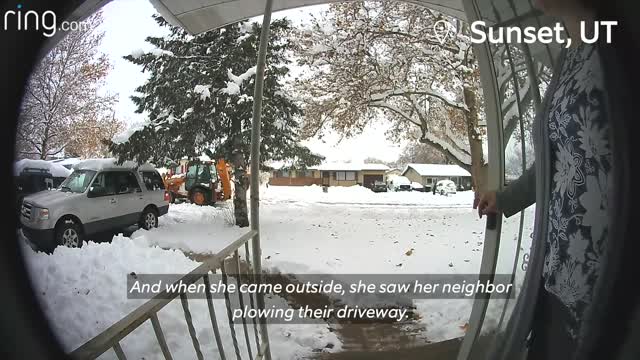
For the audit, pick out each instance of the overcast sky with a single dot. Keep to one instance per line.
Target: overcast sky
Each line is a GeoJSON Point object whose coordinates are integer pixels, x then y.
{"type": "Point", "coordinates": [128, 22]}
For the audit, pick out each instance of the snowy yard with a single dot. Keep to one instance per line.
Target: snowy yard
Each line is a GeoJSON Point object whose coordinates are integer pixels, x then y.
{"type": "Point", "coordinates": [304, 231]}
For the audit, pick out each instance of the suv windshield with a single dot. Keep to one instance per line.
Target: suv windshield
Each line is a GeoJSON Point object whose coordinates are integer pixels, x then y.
{"type": "Point", "coordinates": [78, 181]}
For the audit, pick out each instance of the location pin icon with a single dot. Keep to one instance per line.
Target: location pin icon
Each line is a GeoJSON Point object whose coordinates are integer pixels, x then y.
{"type": "Point", "coordinates": [442, 29]}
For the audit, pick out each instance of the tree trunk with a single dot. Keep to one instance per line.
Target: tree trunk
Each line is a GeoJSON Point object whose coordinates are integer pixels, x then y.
{"type": "Point", "coordinates": [241, 179]}
{"type": "Point", "coordinates": [478, 166]}
{"type": "Point", "coordinates": [45, 143]}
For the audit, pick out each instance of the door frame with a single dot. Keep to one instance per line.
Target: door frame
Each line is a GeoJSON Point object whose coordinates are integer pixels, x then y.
{"type": "Point", "coordinates": [495, 180]}
{"type": "Point", "coordinates": [326, 175]}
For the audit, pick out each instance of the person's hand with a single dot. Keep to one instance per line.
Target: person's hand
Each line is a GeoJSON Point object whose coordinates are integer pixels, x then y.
{"type": "Point", "coordinates": [486, 203]}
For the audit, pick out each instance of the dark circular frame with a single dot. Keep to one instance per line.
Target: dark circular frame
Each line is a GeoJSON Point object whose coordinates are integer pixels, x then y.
{"type": "Point", "coordinates": [24, 327]}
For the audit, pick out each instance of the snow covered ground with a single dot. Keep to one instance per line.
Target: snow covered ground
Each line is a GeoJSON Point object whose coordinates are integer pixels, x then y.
{"type": "Point", "coordinates": [361, 196]}
{"type": "Point", "coordinates": [83, 292]}
{"type": "Point", "coordinates": [304, 231]}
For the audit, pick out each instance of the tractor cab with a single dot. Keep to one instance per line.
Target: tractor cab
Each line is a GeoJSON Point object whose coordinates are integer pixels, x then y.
{"type": "Point", "coordinates": [203, 182]}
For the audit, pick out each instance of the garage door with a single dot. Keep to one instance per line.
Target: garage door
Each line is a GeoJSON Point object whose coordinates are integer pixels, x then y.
{"type": "Point", "coordinates": [368, 180]}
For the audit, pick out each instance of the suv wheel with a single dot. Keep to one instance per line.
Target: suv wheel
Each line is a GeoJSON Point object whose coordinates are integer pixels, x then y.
{"type": "Point", "coordinates": [149, 219]}
{"type": "Point", "coordinates": [69, 234]}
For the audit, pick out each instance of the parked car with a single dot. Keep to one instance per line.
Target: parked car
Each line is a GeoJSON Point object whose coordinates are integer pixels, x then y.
{"type": "Point", "coordinates": [98, 196]}
{"type": "Point", "coordinates": [399, 183]}
{"type": "Point", "coordinates": [379, 186]}
{"type": "Point", "coordinates": [445, 187]}
{"type": "Point", "coordinates": [416, 186]}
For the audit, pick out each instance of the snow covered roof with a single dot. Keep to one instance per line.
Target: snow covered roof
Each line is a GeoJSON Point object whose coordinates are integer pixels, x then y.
{"type": "Point", "coordinates": [350, 167]}
{"type": "Point", "coordinates": [67, 161]}
{"type": "Point", "coordinates": [110, 163]}
{"type": "Point", "coordinates": [437, 170]}
{"type": "Point", "coordinates": [55, 169]}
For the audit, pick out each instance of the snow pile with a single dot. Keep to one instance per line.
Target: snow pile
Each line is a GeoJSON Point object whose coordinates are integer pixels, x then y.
{"type": "Point", "coordinates": [192, 228]}
{"type": "Point", "coordinates": [86, 299]}
{"type": "Point", "coordinates": [56, 170]}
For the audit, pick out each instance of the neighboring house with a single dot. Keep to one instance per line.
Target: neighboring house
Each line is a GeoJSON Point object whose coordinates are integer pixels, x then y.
{"type": "Point", "coordinates": [292, 177]}
{"type": "Point", "coordinates": [330, 174]}
{"type": "Point", "coordinates": [429, 174]}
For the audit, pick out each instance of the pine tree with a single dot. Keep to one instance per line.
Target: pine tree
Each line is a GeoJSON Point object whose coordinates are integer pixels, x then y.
{"type": "Point", "coordinates": [199, 99]}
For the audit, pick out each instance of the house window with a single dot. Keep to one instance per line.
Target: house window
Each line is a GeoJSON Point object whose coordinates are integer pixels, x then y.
{"type": "Point", "coordinates": [429, 181]}
{"type": "Point", "coordinates": [283, 173]}
{"type": "Point", "coordinates": [308, 173]}
{"type": "Point", "coordinates": [345, 175]}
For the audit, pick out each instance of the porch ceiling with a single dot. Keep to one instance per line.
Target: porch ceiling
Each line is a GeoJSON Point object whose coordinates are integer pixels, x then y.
{"type": "Point", "coordinates": [197, 16]}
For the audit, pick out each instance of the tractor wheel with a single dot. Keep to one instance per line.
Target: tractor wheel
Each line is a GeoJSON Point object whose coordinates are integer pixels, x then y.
{"type": "Point", "coordinates": [198, 197]}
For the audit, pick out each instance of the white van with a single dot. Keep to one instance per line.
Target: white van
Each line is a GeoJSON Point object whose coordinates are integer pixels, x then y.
{"type": "Point", "coordinates": [399, 183]}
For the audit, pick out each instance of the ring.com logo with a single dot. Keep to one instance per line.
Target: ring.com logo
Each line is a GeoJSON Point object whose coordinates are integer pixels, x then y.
{"type": "Point", "coordinates": [46, 21]}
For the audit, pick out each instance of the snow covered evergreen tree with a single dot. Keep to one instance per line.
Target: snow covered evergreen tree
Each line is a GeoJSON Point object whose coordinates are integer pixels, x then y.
{"type": "Point", "coordinates": [199, 99]}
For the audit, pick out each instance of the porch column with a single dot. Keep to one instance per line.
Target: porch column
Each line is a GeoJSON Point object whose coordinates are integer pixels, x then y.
{"type": "Point", "coordinates": [255, 169]}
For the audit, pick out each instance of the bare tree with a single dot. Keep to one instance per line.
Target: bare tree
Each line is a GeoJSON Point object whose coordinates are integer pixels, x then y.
{"type": "Point", "coordinates": [383, 58]}
{"type": "Point", "coordinates": [63, 93]}
{"type": "Point", "coordinates": [420, 153]}
{"type": "Point", "coordinates": [91, 135]}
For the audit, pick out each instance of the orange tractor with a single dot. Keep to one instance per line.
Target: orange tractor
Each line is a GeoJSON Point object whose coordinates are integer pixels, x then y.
{"type": "Point", "coordinates": [203, 183]}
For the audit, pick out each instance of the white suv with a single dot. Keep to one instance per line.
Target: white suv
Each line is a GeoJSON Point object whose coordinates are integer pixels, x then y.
{"type": "Point", "coordinates": [98, 196]}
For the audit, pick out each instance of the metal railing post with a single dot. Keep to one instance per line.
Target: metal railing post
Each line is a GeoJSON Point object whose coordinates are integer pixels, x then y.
{"type": "Point", "coordinates": [255, 167]}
